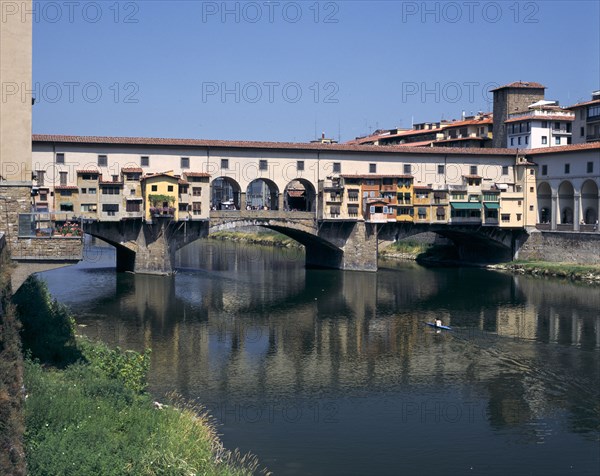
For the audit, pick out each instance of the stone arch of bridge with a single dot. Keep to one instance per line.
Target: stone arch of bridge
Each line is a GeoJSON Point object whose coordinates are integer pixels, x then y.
{"type": "Point", "coordinates": [319, 251]}
{"type": "Point", "coordinates": [474, 243]}
{"type": "Point", "coordinates": [262, 193]}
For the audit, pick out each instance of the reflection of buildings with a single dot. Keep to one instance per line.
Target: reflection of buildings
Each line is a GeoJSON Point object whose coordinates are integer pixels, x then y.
{"type": "Point", "coordinates": [289, 330]}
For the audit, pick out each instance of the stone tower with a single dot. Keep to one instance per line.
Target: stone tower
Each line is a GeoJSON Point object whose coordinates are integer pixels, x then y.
{"type": "Point", "coordinates": [511, 98]}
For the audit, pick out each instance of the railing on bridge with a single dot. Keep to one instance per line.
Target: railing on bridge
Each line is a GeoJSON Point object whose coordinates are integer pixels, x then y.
{"type": "Point", "coordinates": [48, 225]}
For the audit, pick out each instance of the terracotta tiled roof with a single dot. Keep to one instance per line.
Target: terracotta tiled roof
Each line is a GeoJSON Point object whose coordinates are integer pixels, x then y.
{"type": "Point", "coordinates": [66, 187]}
{"type": "Point", "coordinates": [521, 84]}
{"type": "Point", "coordinates": [416, 144]}
{"type": "Point", "coordinates": [160, 174]}
{"type": "Point", "coordinates": [182, 182]}
{"type": "Point", "coordinates": [132, 170]}
{"type": "Point", "coordinates": [581, 104]}
{"type": "Point", "coordinates": [541, 118]}
{"type": "Point", "coordinates": [375, 176]}
{"type": "Point", "coordinates": [563, 148]}
{"type": "Point", "coordinates": [110, 182]}
{"type": "Point", "coordinates": [472, 176]}
{"type": "Point", "coordinates": [196, 174]}
{"type": "Point", "coordinates": [460, 139]}
{"type": "Point", "coordinates": [374, 149]}
{"type": "Point", "coordinates": [422, 187]}
{"type": "Point", "coordinates": [470, 122]}
{"type": "Point", "coordinates": [296, 193]}
{"type": "Point", "coordinates": [88, 172]}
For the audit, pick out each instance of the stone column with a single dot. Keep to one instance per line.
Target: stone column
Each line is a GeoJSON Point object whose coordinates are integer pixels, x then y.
{"type": "Point", "coordinates": [576, 210]}
{"type": "Point", "coordinates": [554, 211]}
{"type": "Point", "coordinates": [598, 217]}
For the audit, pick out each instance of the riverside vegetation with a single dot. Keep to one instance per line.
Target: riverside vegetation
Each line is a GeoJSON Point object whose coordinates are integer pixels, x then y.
{"type": "Point", "coordinates": [87, 411]}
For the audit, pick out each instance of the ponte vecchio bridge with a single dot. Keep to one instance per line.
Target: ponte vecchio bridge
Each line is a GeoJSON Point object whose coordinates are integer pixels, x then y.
{"type": "Point", "coordinates": [150, 197]}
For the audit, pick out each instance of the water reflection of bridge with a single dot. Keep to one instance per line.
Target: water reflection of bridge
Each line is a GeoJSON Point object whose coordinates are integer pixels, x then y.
{"type": "Point", "coordinates": [360, 330]}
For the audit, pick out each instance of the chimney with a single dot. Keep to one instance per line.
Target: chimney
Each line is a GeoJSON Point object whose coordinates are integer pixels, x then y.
{"type": "Point", "coordinates": [322, 135]}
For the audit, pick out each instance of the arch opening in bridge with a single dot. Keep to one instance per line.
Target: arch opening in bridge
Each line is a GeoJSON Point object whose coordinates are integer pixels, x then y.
{"type": "Point", "coordinates": [544, 196]}
{"type": "Point", "coordinates": [262, 194]}
{"type": "Point", "coordinates": [225, 194]}
{"type": "Point", "coordinates": [566, 199]}
{"type": "Point", "coordinates": [589, 202]}
{"type": "Point", "coordinates": [299, 195]}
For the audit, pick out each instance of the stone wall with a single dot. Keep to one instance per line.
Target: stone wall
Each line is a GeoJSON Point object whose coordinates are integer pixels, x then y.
{"type": "Point", "coordinates": [48, 249]}
{"type": "Point", "coordinates": [562, 247]}
{"type": "Point", "coordinates": [15, 198]}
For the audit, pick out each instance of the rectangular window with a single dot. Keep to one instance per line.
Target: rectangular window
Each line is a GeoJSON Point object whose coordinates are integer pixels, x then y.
{"type": "Point", "coordinates": [225, 164]}
{"type": "Point", "coordinates": [372, 168]}
{"type": "Point", "coordinates": [519, 215]}
{"type": "Point", "coordinates": [557, 141]}
{"type": "Point", "coordinates": [567, 168]}
{"type": "Point", "coordinates": [337, 167]}
{"type": "Point", "coordinates": [512, 141]}
{"type": "Point", "coordinates": [133, 205]}
{"type": "Point", "coordinates": [63, 178]}
{"type": "Point", "coordinates": [60, 158]}
{"type": "Point", "coordinates": [132, 191]}
{"type": "Point", "coordinates": [300, 165]}
{"type": "Point", "coordinates": [441, 169]}
{"type": "Point", "coordinates": [115, 178]}
{"type": "Point", "coordinates": [91, 191]}
{"type": "Point", "coordinates": [353, 195]}
{"type": "Point", "coordinates": [89, 207]}
{"type": "Point", "coordinates": [154, 188]}
{"type": "Point", "coordinates": [519, 141]}
{"type": "Point", "coordinates": [544, 170]}
{"type": "Point", "coordinates": [196, 191]}
{"type": "Point", "coordinates": [196, 208]}
{"type": "Point", "coordinates": [169, 188]}
{"type": "Point", "coordinates": [40, 177]}
{"type": "Point", "coordinates": [110, 191]}
{"type": "Point", "coordinates": [66, 207]}
{"type": "Point", "coordinates": [185, 162]}
{"type": "Point", "coordinates": [352, 211]}
{"type": "Point", "coordinates": [590, 167]}
{"type": "Point", "coordinates": [145, 161]}
{"type": "Point", "coordinates": [407, 169]}
{"type": "Point", "coordinates": [544, 124]}
{"type": "Point", "coordinates": [111, 209]}
{"type": "Point", "coordinates": [505, 170]}
{"type": "Point", "coordinates": [582, 131]}
{"type": "Point", "coordinates": [84, 190]}
{"type": "Point", "coordinates": [544, 140]}
{"type": "Point", "coordinates": [505, 217]}
{"type": "Point", "coordinates": [473, 170]}
{"type": "Point", "coordinates": [526, 139]}
{"type": "Point", "coordinates": [262, 165]}
{"type": "Point", "coordinates": [102, 161]}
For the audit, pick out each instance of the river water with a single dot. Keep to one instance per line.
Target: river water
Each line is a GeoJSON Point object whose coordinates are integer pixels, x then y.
{"type": "Point", "coordinates": [331, 372]}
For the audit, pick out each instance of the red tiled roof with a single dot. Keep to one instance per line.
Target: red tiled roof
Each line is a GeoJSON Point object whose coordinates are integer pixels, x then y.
{"type": "Point", "coordinates": [88, 172]}
{"type": "Point", "coordinates": [563, 148]}
{"type": "Point", "coordinates": [521, 84]}
{"type": "Point", "coordinates": [66, 187]}
{"type": "Point", "coordinates": [110, 182]}
{"type": "Point", "coordinates": [296, 193]}
{"type": "Point", "coordinates": [470, 122]}
{"type": "Point", "coordinates": [422, 187]}
{"type": "Point", "coordinates": [376, 176]}
{"type": "Point", "coordinates": [586, 103]}
{"type": "Point", "coordinates": [472, 176]}
{"type": "Point", "coordinates": [541, 118]}
{"type": "Point", "coordinates": [132, 170]}
{"type": "Point", "coordinates": [460, 139]}
{"type": "Point", "coordinates": [196, 174]}
{"type": "Point", "coordinates": [182, 182]}
{"type": "Point", "coordinates": [416, 144]}
{"type": "Point", "coordinates": [141, 141]}
{"type": "Point", "coordinates": [160, 174]}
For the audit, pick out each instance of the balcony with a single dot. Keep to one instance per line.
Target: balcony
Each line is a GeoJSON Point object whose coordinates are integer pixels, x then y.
{"type": "Point", "coordinates": [332, 185]}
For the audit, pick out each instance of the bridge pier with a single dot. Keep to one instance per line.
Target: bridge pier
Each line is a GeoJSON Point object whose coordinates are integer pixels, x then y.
{"type": "Point", "coordinates": [357, 247]}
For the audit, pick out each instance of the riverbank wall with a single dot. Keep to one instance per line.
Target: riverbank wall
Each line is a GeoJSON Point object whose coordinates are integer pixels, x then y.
{"type": "Point", "coordinates": [12, 457]}
{"type": "Point", "coordinates": [561, 247]}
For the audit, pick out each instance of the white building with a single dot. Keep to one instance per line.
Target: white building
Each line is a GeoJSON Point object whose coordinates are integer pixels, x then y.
{"type": "Point", "coordinates": [545, 125]}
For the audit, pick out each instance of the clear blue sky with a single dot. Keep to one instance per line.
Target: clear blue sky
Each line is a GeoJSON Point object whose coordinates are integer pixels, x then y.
{"type": "Point", "coordinates": [281, 71]}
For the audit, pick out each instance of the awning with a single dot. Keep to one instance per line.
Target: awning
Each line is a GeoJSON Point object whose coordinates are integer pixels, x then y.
{"type": "Point", "coordinates": [68, 204]}
{"type": "Point", "coordinates": [465, 206]}
{"type": "Point", "coordinates": [133, 198]}
{"type": "Point", "coordinates": [491, 205]}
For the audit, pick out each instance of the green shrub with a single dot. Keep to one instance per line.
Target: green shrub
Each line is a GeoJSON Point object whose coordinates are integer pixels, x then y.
{"type": "Point", "coordinates": [128, 367]}
{"type": "Point", "coordinates": [48, 330]}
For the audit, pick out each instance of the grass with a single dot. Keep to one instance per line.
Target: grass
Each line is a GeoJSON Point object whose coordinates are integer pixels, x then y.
{"type": "Point", "coordinates": [571, 270]}
{"type": "Point", "coordinates": [81, 422]}
{"type": "Point", "coordinates": [266, 238]}
{"type": "Point", "coordinates": [87, 411]}
{"type": "Point", "coordinates": [406, 247]}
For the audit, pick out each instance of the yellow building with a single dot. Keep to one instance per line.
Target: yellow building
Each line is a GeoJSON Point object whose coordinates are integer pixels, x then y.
{"type": "Point", "coordinates": [161, 196]}
{"type": "Point", "coordinates": [404, 196]}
